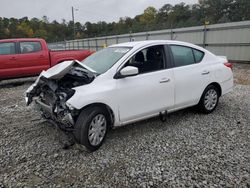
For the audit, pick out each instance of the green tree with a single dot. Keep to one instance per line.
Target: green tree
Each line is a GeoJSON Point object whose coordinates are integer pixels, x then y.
{"type": "Point", "coordinates": [24, 30]}
{"type": "Point", "coordinates": [168, 16]}
{"type": "Point", "coordinates": [149, 15]}
{"type": "Point", "coordinates": [215, 9]}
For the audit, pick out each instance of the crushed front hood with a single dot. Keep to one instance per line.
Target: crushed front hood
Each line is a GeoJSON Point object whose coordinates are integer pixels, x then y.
{"type": "Point", "coordinates": [72, 72]}
{"type": "Point", "coordinates": [59, 70]}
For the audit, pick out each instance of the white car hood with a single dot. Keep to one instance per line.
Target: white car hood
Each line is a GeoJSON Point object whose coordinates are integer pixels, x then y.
{"type": "Point", "coordinates": [59, 70]}
{"type": "Point", "coordinates": [55, 73]}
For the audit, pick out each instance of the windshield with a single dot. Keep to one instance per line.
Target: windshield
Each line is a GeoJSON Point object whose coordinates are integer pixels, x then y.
{"type": "Point", "coordinates": [104, 59]}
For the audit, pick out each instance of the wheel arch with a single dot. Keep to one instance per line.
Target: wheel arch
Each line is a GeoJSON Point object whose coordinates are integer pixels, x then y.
{"type": "Point", "coordinates": [108, 109]}
{"type": "Point", "coordinates": [200, 105]}
{"type": "Point", "coordinates": [217, 85]}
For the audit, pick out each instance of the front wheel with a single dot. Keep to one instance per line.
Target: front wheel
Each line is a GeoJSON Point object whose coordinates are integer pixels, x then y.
{"type": "Point", "coordinates": [91, 127]}
{"type": "Point", "coordinates": [209, 99]}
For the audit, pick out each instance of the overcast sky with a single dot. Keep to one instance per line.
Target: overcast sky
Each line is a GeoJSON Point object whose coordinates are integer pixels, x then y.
{"type": "Point", "coordinates": [88, 10]}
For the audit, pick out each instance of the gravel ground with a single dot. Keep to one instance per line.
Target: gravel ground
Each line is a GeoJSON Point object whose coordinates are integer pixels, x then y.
{"type": "Point", "coordinates": [242, 73]}
{"type": "Point", "coordinates": [188, 150]}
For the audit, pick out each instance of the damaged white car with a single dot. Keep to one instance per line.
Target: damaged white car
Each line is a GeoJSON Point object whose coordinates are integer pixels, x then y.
{"type": "Point", "coordinates": [128, 82]}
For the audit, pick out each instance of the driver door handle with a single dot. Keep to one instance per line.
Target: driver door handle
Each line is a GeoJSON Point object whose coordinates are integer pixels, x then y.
{"type": "Point", "coordinates": [164, 80]}
{"type": "Point", "coordinates": [205, 72]}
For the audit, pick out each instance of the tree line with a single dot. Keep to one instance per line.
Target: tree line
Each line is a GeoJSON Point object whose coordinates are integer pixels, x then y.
{"type": "Point", "coordinates": [168, 16]}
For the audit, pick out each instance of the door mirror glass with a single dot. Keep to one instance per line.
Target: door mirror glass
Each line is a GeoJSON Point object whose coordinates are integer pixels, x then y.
{"type": "Point", "coordinates": [128, 71]}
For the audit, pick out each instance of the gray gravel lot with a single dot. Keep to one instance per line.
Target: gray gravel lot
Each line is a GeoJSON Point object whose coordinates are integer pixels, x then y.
{"type": "Point", "coordinates": [188, 150]}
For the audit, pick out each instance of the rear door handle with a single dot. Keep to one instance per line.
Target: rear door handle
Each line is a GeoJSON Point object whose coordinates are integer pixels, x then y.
{"type": "Point", "coordinates": [205, 72]}
{"type": "Point", "coordinates": [41, 56]}
{"type": "Point", "coordinates": [164, 80]}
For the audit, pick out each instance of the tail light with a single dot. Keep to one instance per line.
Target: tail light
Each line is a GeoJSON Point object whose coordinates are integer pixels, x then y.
{"type": "Point", "coordinates": [229, 65]}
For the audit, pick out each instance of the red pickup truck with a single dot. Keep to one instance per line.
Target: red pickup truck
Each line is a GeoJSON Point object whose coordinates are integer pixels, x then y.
{"type": "Point", "coordinates": [28, 57]}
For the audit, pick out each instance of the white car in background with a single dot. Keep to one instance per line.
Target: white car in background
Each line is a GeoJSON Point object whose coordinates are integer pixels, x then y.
{"type": "Point", "coordinates": [128, 82]}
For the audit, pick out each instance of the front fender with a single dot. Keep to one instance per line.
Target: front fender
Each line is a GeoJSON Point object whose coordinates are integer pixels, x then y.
{"type": "Point", "coordinates": [90, 94]}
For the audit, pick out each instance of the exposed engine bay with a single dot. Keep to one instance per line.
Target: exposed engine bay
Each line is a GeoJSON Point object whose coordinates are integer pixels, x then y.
{"type": "Point", "coordinates": [54, 87]}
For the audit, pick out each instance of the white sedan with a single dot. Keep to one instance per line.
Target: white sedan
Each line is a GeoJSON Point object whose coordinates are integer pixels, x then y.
{"type": "Point", "coordinates": [129, 82]}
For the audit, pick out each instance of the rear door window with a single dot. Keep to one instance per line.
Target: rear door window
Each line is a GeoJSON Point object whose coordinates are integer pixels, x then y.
{"type": "Point", "coordinates": [7, 48]}
{"type": "Point", "coordinates": [198, 55]}
{"type": "Point", "coordinates": [30, 47]}
{"type": "Point", "coordinates": [182, 55]}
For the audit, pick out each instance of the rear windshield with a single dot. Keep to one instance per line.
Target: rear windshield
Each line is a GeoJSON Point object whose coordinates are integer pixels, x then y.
{"type": "Point", "coordinates": [104, 59]}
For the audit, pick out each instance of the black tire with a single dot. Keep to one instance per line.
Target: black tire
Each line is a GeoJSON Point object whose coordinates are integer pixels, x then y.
{"type": "Point", "coordinates": [202, 104]}
{"type": "Point", "coordinates": [83, 123]}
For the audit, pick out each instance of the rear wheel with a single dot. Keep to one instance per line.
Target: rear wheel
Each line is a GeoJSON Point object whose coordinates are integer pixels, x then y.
{"type": "Point", "coordinates": [91, 127]}
{"type": "Point", "coordinates": [209, 99]}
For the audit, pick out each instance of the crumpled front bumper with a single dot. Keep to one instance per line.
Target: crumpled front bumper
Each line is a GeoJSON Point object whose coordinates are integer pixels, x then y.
{"type": "Point", "coordinates": [66, 121]}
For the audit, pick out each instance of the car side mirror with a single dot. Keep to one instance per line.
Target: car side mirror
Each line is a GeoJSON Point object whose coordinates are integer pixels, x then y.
{"type": "Point", "coordinates": [126, 72]}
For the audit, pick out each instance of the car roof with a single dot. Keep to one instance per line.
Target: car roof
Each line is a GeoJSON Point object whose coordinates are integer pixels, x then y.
{"type": "Point", "coordinates": [136, 43]}
{"type": "Point", "coordinates": [139, 44]}
{"type": "Point", "coordinates": [20, 39]}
